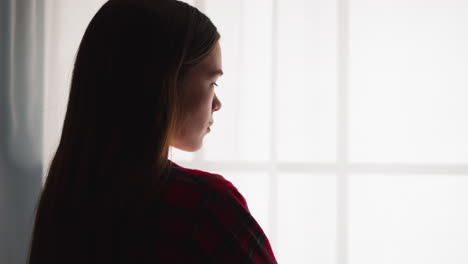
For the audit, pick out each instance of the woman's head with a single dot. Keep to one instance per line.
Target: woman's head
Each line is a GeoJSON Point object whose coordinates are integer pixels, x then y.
{"type": "Point", "coordinates": [134, 69]}
{"type": "Point", "coordinates": [140, 84]}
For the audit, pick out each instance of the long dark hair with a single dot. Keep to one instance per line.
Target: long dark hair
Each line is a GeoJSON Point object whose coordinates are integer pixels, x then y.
{"type": "Point", "coordinates": [122, 109]}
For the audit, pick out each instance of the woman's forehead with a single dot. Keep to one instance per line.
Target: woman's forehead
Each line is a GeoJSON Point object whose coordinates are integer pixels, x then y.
{"type": "Point", "coordinates": [213, 60]}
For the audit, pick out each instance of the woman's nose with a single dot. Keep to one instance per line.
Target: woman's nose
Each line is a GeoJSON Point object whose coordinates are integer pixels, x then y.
{"type": "Point", "coordinates": [216, 103]}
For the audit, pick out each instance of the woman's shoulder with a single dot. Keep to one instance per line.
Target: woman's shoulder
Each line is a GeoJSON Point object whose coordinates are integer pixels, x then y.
{"type": "Point", "coordinates": [191, 187]}
{"type": "Point", "coordinates": [204, 213]}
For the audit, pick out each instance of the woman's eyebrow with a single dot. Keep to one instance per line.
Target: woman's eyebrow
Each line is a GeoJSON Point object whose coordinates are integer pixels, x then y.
{"type": "Point", "coordinates": [216, 72]}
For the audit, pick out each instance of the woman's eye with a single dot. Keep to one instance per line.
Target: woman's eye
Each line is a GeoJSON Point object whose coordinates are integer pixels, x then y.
{"type": "Point", "coordinates": [215, 84]}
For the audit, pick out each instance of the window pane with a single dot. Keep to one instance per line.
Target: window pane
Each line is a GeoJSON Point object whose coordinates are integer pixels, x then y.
{"type": "Point", "coordinates": [306, 219]}
{"type": "Point", "coordinates": [306, 80]}
{"type": "Point", "coordinates": [408, 81]}
{"type": "Point", "coordinates": [242, 126]}
{"type": "Point", "coordinates": [408, 219]}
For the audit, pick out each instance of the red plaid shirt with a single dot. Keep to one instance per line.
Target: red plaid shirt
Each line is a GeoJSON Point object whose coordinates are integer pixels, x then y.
{"type": "Point", "coordinates": [204, 219]}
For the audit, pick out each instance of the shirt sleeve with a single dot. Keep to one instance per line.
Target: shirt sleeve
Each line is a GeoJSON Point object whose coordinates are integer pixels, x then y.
{"type": "Point", "coordinates": [227, 232]}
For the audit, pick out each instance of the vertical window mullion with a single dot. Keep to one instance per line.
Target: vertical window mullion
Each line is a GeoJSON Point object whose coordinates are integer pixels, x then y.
{"type": "Point", "coordinates": [273, 171]}
{"type": "Point", "coordinates": [342, 133]}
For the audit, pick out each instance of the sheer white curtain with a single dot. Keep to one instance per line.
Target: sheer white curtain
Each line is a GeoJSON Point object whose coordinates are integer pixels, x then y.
{"type": "Point", "coordinates": [343, 123]}
{"type": "Point", "coordinates": [21, 123]}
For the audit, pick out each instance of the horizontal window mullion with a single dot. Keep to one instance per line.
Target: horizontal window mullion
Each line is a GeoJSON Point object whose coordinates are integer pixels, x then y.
{"type": "Point", "coordinates": [391, 168]}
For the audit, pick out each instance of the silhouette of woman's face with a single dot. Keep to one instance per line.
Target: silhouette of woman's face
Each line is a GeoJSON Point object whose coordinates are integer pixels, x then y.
{"type": "Point", "coordinates": [198, 102]}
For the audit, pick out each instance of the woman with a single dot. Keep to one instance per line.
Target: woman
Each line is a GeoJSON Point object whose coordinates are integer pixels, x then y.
{"type": "Point", "coordinates": [143, 81]}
